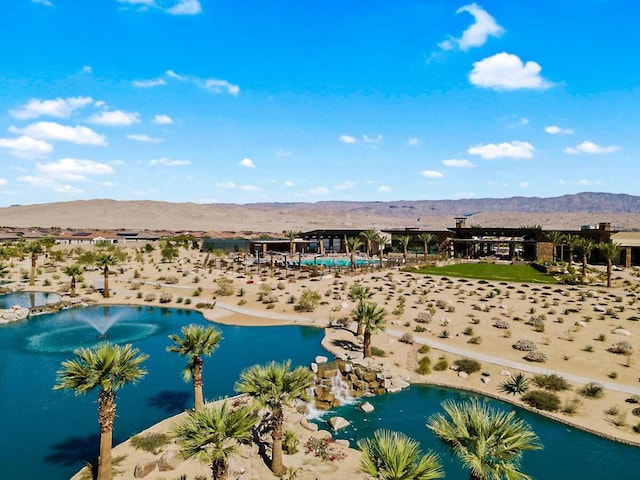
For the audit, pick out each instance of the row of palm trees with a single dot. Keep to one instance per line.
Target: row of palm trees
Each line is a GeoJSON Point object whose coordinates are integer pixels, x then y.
{"type": "Point", "coordinates": [488, 442]}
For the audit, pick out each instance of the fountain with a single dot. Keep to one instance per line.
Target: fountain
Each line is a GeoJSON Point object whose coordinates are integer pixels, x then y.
{"type": "Point", "coordinates": [101, 323]}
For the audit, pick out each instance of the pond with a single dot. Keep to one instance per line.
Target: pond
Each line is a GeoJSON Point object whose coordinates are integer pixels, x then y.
{"type": "Point", "coordinates": [56, 432]}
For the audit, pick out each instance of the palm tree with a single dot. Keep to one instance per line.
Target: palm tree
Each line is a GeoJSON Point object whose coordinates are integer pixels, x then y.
{"type": "Point", "coordinates": [212, 434]}
{"type": "Point", "coordinates": [107, 367]}
{"type": "Point", "coordinates": [404, 241]}
{"type": "Point", "coordinates": [292, 235]}
{"type": "Point", "coordinates": [105, 256]}
{"type": "Point", "coordinates": [609, 250]}
{"type": "Point", "coordinates": [426, 239]}
{"type": "Point", "coordinates": [370, 237]}
{"type": "Point", "coordinates": [382, 241]}
{"type": "Point", "coordinates": [586, 246]}
{"type": "Point", "coordinates": [275, 386]}
{"type": "Point", "coordinates": [360, 293]}
{"type": "Point", "coordinates": [556, 238]}
{"type": "Point", "coordinates": [352, 244]}
{"type": "Point", "coordinates": [195, 342]}
{"type": "Point", "coordinates": [34, 249]}
{"type": "Point", "coordinates": [74, 271]}
{"type": "Point", "coordinates": [371, 318]}
{"type": "Point", "coordinates": [487, 441]}
{"type": "Point", "coordinates": [573, 242]}
{"type": "Point", "coordinates": [394, 456]}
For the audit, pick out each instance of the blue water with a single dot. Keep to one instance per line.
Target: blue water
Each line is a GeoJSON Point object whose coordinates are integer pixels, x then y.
{"type": "Point", "coordinates": [50, 434]}
{"type": "Point", "coordinates": [28, 299]}
{"type": "Point", "coordinates": [568, 453]}
{"type": "Point", "coordinates": [337, 262]}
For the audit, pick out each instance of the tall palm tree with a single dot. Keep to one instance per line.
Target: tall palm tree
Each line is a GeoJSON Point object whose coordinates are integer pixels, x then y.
{"type": "Point", "coordinates": [34, 249]}
{"type": "Point", "coordinates": [556, 238]}
{"type": "Point", "coordinates": [370, 237]}
{"type": "Point", "coordinates": [74, 271]}
{"type": "Point", "coordinates": [212, 434]}
{"type": "Point", "coordinates": [195, 342]}
{"type": "Point", "coordinates": [373, 319]}
{"type": "Point", "coordinates": [292, 235]}
{"type": "Point", "coordinates": [586, 246]}
{"type": "Point", "coordinates": [404, 242]}
{"type": "Point", "coordinates": [382, 241]}
{"type": "Point", "coordinates": [394, 456]}
{"type": "Point", "coordinates": [105, 256]}
{"type": "Point", "coordinates": [108, 368]}
{"type": "Point", "coordinates": [573, 242]}
{"type": "Point", "coordinates": [275, 386]}
{"type": "Point", "coordinates": [609, 250]}
{"type": "Point", "coordinates": [360, 293]}
{"type": "Point", "coordinates": [426, 239]}
{"type": "Point", "coordinates": [487, 441]}
{"type": "Point", "coordinates": [353, 244]}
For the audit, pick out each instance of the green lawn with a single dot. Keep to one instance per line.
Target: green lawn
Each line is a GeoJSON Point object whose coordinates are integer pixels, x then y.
{"type": "Point", "coordinates": [489, 271]}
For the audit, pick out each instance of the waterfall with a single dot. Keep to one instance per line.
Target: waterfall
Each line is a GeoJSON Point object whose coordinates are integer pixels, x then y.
{"type": "Point", "coordinates": [341, 390]}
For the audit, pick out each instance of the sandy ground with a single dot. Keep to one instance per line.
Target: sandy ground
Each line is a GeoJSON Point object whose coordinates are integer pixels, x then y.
{"type": "Point", "coordinates": [578, 326]}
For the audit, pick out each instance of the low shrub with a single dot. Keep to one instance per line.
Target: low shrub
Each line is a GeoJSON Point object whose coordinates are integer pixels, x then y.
{"type": "Point", "coordinates": [542, 400]}
{"type": "Point", "coordinates": [623, 348]}
{"type": "Point", "coordinates": [551, 382]}
{"type": "Point", "coordinates": [150, 442]}
{"type": "Point", "coordinates": [516, 384]}
{"type": "Point", "coordinates": [441, 365]}
{"type": "Point", "coordinates": [536, 356]}
{"type": "Point", "coordinates": [475, 340]}
{"type": "Point", "coordinates": [525, 345]}
{"type": "Point", "coordinates": [407, 337]}
{"type": "Point", "coordinates": [467, 365]}
{"type": "Point", "coordinates": [592, 390]}
{"type": "Point", "coordinates": [424, 349]}
{"type": "Point", "coordinates": [571, 406]}
{"type": "Point", "coordinates": [378, 352]}
{"type": "Point", "coordinates": [290, 442]}
{"type": "Point", "coordinates": [424, 366]}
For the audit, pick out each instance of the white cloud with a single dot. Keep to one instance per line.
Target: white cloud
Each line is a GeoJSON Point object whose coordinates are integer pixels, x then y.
{"type": "Point", "coordinates": [219, 86]}
{"type": "Point", "coordinates": [523, 184]}
{"type": "Point", "coordinates": [476, 35]}
{"type": "Point", "coordinates": [162, 119]}
{"type": "Point", "coordinates": [591, 148]}
{"type": "Point", "coordinates": [227, 185]}
{"type": "Point", "coordinates": [289, 183]}
{"type": "Point", "coordinates": [50, 183]}
{"type": "Point", "coordinates": [555, 130]}
{"type": "Point", "coordinates": [524, 121]}
{"type": "Point", "coordinates": [87, 69]}
{"type": "Point", "coordinates": [414, 141]}
{"type": "Point", "coordinates": [348, 185]}
{"type": "Point", "coordinates": [46, 3]}
{"type": "Point", "coordinates": [115, 118]}
{"type": "Point", "coordinates": [585, 182]}
{"type": "Point", "coordinates": [59, 107]}
{"type": "Point", "coordinates": [457, 162]}
{"type": "Point", "coordinates": [247, 162]}
{"type": "Point", "coordinates": [73, 170]}
{"type": "Point", "coordinates": [348, 139]}
{"type": "Point", "coordinates": [3, 182]}
{"type": "Point", "coordinates": [515, 149]}
{"type": "Point", "coordinates": [376, 139]}
{"type": "Point", "coordinates": [319, 191]}
{"type": "Point", "coordinates": [144, 138]}
{"type": "Point", "coordinates": [26, 147]}
{"type": "Point", "coordinates": [172, 74]}
{"type": "Point", "coordinates": [185, 7]}
{"type": "Point", "coordinates": [384, 188]}
{"type": "Point", "coordinates": [505, 71]}
{"type": "Point", "coordinates": [54, 131]}
{"type": "Point", "coordinates": [249, 188]}
{"type": "Point", "coordinates": [149, 83]}
{"type": "Point", "coordinates": [431, 174]}
{"type": "Point", "coordinates": [167, 162]}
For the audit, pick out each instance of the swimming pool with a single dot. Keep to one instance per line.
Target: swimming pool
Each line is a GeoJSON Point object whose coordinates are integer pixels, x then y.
{"type": "Point", "coordinates": [338, 262]}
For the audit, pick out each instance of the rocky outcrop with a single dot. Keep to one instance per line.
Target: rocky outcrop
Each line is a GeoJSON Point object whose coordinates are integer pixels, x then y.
{"type": "Point", "coordinates": [144, 467]}
{"type": "Point", "coordinates": [14, 314]}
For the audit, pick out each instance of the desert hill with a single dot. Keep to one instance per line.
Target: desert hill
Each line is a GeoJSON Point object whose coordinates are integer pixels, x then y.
{"type": "Point", "coordinates": [567, 211]}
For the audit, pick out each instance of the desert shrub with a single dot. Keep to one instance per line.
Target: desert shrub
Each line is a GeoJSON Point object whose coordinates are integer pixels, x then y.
{"type": "Point", "coordinates": [150, 297]}
{"type": "Point", "coordinates": [225, 286]}
{"type": "Point", "coordinates": [378, 352]}
{"type": "Point", "coordinates": [441, 365]}
{"type": "Point", "coordinates": [187, 301]}
{"type": "Point", "coordinates": [424, 317]}
{"type": "Point", "coordinates": [241, 292]}
{"type": "Point", "coordinates": [407, 338]}
{"type": "Point", "coordinates": [467, 365]}
{"type": "Point", "coordinates": [475, 340]}
{"type": "Point", "coordinates": [601, 338]}
{"type": "Point", "coordinates": [203, 305]}
{"type": "Point", "coordinates": [537, 323]}
{"type": "Point", "coordinates": [502, 324]}
{"type": "Point", "coordinates": [516, 384]}
{"type": "Point", "coordinates": [308, 301]}
{"type": "Point", "coordinates": [424, 349]}
{"type": "Point", "coordinates": [588, 348]}
{"type": "Point", "coordinates": [169, 280]}
{"type": "Point", "coordinates": [592, 390]}
{"type": "Point", "coordinates": [571, 405]}
{"type": "Point", "coordinates": [424, 366]}
{"type": "Point", "coordinates": [622, 347]}
{"type": "Point", "coordinates": [535, 356]}
{"type": "Point", "coordinates": [419, 329]}
{"type": "Point", "coordinates": [468, 331]}
{"type": "Point", "coordinates": [150, 442]}
{"type": "Point", "coordinates": [444, 333]}
{"type": "Point", "coordinates": [542, 400]}
{"type": "Point", "coordinates": [166, 297]}
{"type": "Point", "coordinates": [525, 345]}
{"type": "Point", "coordinates": [635, 412]}
{"type": "Point", "coordinates": [612, 410]}
{"type": "Point", "coordinates": [552, 382]}
{"type": "Point", "coordinates": [290, 442]}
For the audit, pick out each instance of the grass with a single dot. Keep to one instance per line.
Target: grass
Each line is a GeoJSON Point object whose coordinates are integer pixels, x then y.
{"type": "Point", "coordinates": [489, 271]}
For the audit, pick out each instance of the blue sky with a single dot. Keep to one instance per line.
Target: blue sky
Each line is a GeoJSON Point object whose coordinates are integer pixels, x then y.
{"type": "Point", "coordinates": [284, 101]}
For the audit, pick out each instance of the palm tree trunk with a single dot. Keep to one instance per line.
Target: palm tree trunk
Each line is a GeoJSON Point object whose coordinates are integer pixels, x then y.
{"type": "Point", "coordinates": [32, 276]}
{"type": "Point", "coordinates": [360, 330]}
{"type": "Point", "coordinates": [366, 344]}
{"type": "Point", "coordinates": [219, 469]}
{"type": "Point", "coordinates": [106, 414]}
{"type": "Point", "coordinates": [198, 396]}
{"type": "Point", "coordinates": [73, 287]}
{"type": "Point", "coordinates": [609, 273]}
{"type": "Point", "coordinates": [353, 261]}
{"type": "Point", "coordinates": [106, 282]}
{"type": "Point", "coordinates": [584, 267]}
{"type": "Point", "coordinates": [276, 450]}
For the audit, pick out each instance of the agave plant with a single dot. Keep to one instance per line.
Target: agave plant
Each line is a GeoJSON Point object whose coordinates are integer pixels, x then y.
{"type": "Point", "coordinates": [517, 384]}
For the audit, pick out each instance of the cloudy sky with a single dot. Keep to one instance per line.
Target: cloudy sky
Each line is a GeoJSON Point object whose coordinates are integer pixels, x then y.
{"type": "Point", "coordinates": [280, 100]}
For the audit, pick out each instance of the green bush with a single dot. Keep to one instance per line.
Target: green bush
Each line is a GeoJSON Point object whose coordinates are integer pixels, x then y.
{"type": "Point", "coordinates": [150, 442]}
{"type": "Point", "coordinates": [516, 384]}
{"type": "Point", "coordinates": [424, 366]}
{"type": "Point", "coordinates": [542, 400]}
{"type": "Point", "coordinates": [378, 352]}
{"type": "Point", "coordinates": [308, 301]}
{"type": "Point", "coordinates": [424, 349]}
{"type": "Point", "coordinates": [552, 382]}
{"type": "Point", "coordinates": [441, 365]}
{"type": "Point", "coordinates": [290, 442]}
{"type": "Point", "coordinates": [467, 365]}
{"type": "Point", "coordinates": [592, 390]}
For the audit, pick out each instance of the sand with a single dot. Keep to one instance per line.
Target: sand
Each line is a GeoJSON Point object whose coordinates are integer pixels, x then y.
{"type": "Point", "coordinates": [578, 326]}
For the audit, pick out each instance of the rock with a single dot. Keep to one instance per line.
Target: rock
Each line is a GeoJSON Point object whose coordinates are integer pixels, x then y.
{"type": "Point", "coordinates": [314, 367]}
{"type": "Point", "coordinates": [144, 467]}
{"type": "Point", "coordinates": [463, 374]}
{"type": "Point", "coordinates": [486, 374]}
{"type": "Point", "coordinates": [485, 379]}
{"type": "Point", "coordinates": [599, 308]}
{"type": "Point", "coordinates": [321, 359]}
{"type": "Point", "coordinates": [505, 373]}
{"type": "Point", "coordinates": [580, 323]}
{"type": "Point", "coordinates": [348, 368]}
{"type": "Point", "coordinates": [307, 425]}
{"type": "Point", "coordinates": [341, 442]}
{"type": "Point", "coordinates": [338, 423]}
{"type": "Point", "coordinates": [621, 331]}
{"type": "Point", "coordinates": [169, 460]}
{"type": "Point", "coordinates": [366, 407]}
{"type": "Point", "coordinates": [13, 314]}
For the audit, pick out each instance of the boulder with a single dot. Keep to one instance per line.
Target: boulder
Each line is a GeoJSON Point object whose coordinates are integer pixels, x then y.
{"type": "Point", "coordinates": [338, 423]}
{"type": "Point", "coordinates": [321, 359]}
{"type": "Point", "coordinates": [485, 379]}
{"type": "Point", "coordinates": [314, 367]}
{"type": "Point", "coordinates": [144, 467]}
{"type": "Point", "coordinates": [621, 331]}
{"type": "Point", "coordinates": [366, 407]}
{"type": "Point", "coordinates": [463, 374]}
{"type": "Point", "coordinates": [169, 460]}
{"type": "Point", "coordinates": [505, 373]}
{"type": "Point", "coordinates": [307, 425]}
